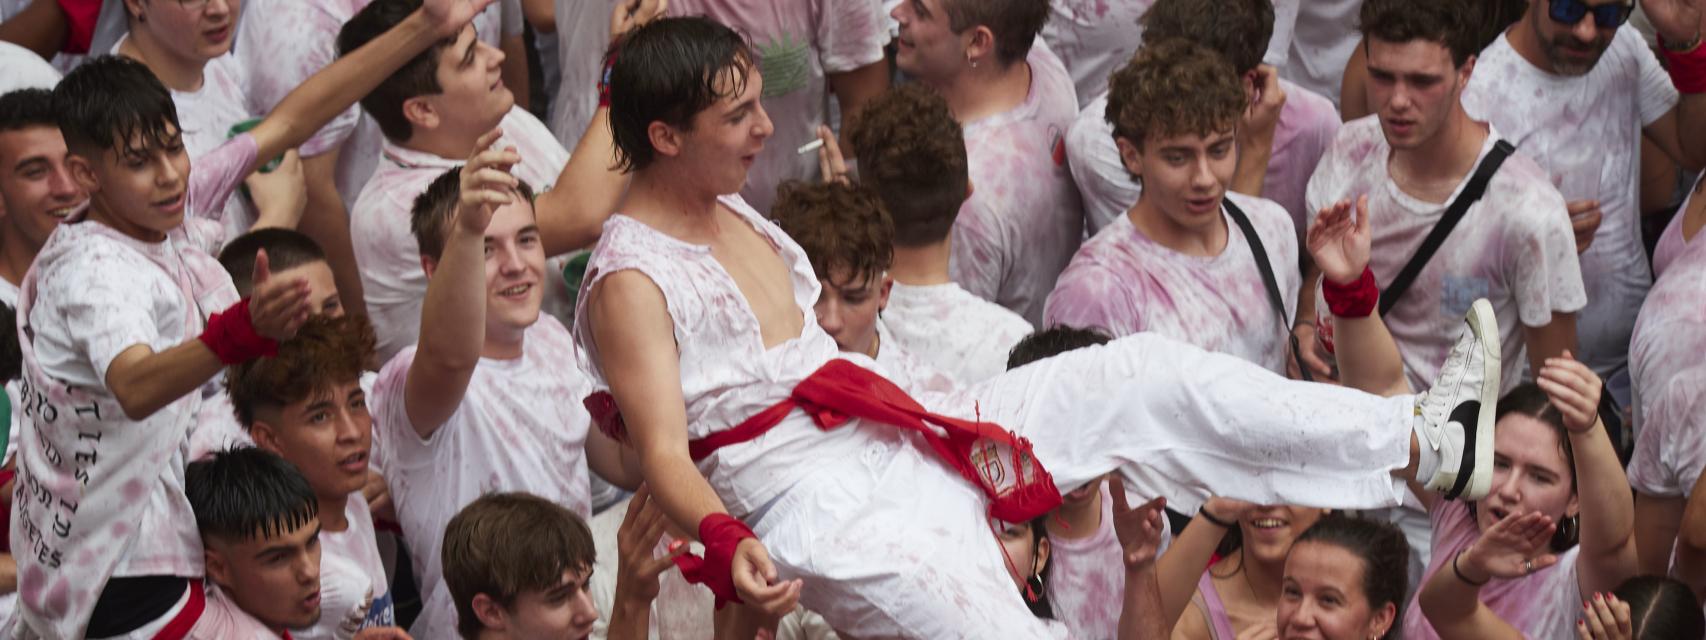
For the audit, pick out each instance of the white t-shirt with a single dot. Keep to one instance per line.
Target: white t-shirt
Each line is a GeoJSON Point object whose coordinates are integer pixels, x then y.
{"type": "Point", "coordinates": [385, 249]}
{"type": "Point", "coordinates": [21, 68]}
{"type": "Point", "coordinates": [521, 427]}
{"type": "Point", "coordinates": [583, 35]}
{"type": "Point", "coordinates": [907, 372]}
{"type": "Point", "coordinates": [798, 43]}
{"type": "Point", "coordinates": [1585, 132]}
{"type": "Point", "coordinates": [223, 620]}
{"type": "Point", "coordinates": [1514, 247]}
{"type": "Point", "coordinates": [93, 481]}
{"type": "Point", "coordinates": [1122, 283]}
{"type": "Point", "coordinates": [1323, 36]}
{"type": "Point", "coordinates": [1024, 218]}
{"type": "Point", "coordinates": [1544, 605]}
{"type": "Point", "coordinates": [949, 329]}
{"type": "Point", "coordinates": [353, 591]}
{"type": "Point", "coordinates": [1667, 376]}
{"type": "Point", "coordinates": [1305, 130]}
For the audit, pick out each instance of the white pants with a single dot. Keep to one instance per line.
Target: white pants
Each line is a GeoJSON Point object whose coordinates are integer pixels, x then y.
{"type": "Point", "coordinates": [893, 543]}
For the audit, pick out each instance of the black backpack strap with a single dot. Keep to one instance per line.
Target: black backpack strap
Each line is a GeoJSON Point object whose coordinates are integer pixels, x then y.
{"type": "Point", "coordinates": [1453, 214]}
{"type": "Point", "coordinates": [1269, 282]}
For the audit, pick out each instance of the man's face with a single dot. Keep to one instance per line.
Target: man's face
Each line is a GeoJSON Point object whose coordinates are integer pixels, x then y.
{"type": "Point", "coordinates": [191, 30]}
{"type": "Point", "coordinates": [276, 579]}
{"type": "Point", "coordinates": [726, 138]}
{"type": "Point", "coordinates": [326, 435]}
{"type": "Point", "coordinates": [848, 308]}
{"type": "Point", "coordinates": [1415, 88]}
{"type": "Point", "coordinates": [36, 189]}
{"type": "Point", "coordinates": [515, 268]}
{"type": "Point", "coordinates": [1572, 49]}
{"type": "Point", "coordinates": [928, 48]}
{"type": "Point", "coordinates": [142, 190]}
{"type": "Point", "coordinates": [473, 96]}
{"type": "Point", "coordinates": [1184, 176]}
{"type": "Point", "coordinates": [563, 611]}
{"type": "Point", "coordinates": [322, 287]}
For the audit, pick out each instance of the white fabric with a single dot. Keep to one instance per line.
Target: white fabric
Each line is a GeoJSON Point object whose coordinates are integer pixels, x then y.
{"type": "Point", "coordinates": [1302, 135]}
{"type": "Point", "coordinates": [21, 68]}
{"type": "Point", "coordinates": [94, 481]}
{"type": "Point", "coordinates": [1585, 132]}
{"type": "Point", "coordinates": [841, 508]}
{"type": "Point", "coordinates": [1544, 605]}
{"type": "Point", "coordinates": [798, 43]}
{"type": "Point", "coordinates": [1670, 450]}
{"type": "Point", "coordinates": [1668, 378]}
{"type": "Point", "coordinates": [521, 427]}
{"type": "Point", "coordinates": [583, 33]}
{"type": "Point", "coordinates": [1323, 37]}
{"type": "Point", "coordinates": [949, 329]}
{"type": "Point", "coordinates": [1514, 247]}
{"type": "Point", "coordinates": [223, 620]}
{"type": "Point", "coordinates": [1024, 218]}
{"type": "Point", "coordinates": [1122, 282]}
{"type": "Point", "coordinates": [392, 278]}
{"type": "Point", "coordinates": [907, 371]}
{"type": "Point", "coordinates": [1672, 246]}
{"type": "Point", "coordinates": [353, 591]}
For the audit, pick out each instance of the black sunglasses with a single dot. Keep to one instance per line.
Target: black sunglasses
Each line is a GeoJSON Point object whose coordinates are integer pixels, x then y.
{"type": "Point", "coordinates": [1605, 16]}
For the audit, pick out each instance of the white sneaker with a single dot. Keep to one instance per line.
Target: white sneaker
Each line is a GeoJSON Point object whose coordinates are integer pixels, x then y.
{"type": "Point", "coordinates": [1456, 415]}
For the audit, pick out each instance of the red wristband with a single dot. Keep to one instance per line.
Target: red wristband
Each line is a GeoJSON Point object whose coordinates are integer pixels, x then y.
{"type": "Point", "coordinates": [1687, 69]}
{"type": "Point", "coordinates": [231, 336]}
{"type": "Point", "coordinates": [721, 534]}
{"type": "Point", "coordinates": [604, 79]}
{"type": "Point", "coordinates": [1354, 300]}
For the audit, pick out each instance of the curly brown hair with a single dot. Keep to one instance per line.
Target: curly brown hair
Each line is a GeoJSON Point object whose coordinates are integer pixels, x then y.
{"type": "Point", "coordinates": [1238, 29]}
{"type": "Point", "coordinates": [326, 351]}
{"type": "Point", "coordinates": [837, 225]}
{"type": "Point", "coordinates": [1174, 87]}
{"type": "Point", "coordinates": [913, 153]}
{"type": "Point", "coordinates": [1451, 23]}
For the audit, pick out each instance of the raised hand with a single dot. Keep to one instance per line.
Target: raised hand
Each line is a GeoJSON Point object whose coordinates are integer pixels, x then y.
{"type": "Point", "coordinates": [1340, 241]}
{"type": "Point", "coordinates": [1604, 617]}
{"type": "Point", "coordinates": [755, 581]}
{"type": "Point", "coordinates": [277, 308]}
{"type": "Point", "coordinates": [637, 570]}
{"type": "Point", "coordinates": [1513, 547]}
{"type": "Point", "coordinates": [1585, 217]}
{"type": "Point", "coordinates": [633, 14]}
{"type": "Point", "coordinates": [1138, 529]}
{"type": "Point", "coordinates": [448, 17]}
{"type": "Point", "coordinates": [830, 163]}
{"type": "Point", "coordinates": [1677, 20]}
{"type": "Point", "coordinates": [279, 195]}
{"type": "Point", "coordinates": [1262, 115]}
{"type": "Point", "coordinates": [486, 183]}
{"type": "Point", "coordinates": [1574, 389]}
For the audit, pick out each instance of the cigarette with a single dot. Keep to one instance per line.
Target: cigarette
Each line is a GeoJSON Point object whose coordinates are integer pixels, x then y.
{"type": "Point", "coordinates": [810, 146]}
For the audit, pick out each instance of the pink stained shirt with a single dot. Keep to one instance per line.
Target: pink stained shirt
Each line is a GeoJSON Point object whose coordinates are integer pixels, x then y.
{"type": "Point", "coordinates": [1543, 605]}
{"type": "Point", "coordinates": [949, 329]}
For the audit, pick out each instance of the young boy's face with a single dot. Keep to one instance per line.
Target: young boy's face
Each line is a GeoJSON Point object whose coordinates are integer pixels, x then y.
{"type": "Point", "coordinates": [36, 188]}
{"type": "Point", "coordinates": [515, 268]}
{"type": "Point", "coordinates": [563, 611]}
{"type": "Point", "coordinates": [141, 191]}
{"type": "Point", "coordinates": [727, 136]}
{"type": "Point", "coordinates": [322, 287]}
{"type": "Point", "coordinates": [848, 308]}
{"type": "Point", "coordinates": [275, 579]}
{"type": "Point", "coordinates": [327, 435]}
{"type": "Point", "coordinates": [1185, 176]}
{"type": "Point", "coordinates": [472, 94]}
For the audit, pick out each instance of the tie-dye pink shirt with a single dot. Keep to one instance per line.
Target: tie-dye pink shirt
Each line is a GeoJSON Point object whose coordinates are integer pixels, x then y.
{"type": "Point", "coordinates": [1666, 372]}
{"type": "Point", "coordinates": [1543, 605]}
{"type": "Point", "coordinates": [1024, 218]}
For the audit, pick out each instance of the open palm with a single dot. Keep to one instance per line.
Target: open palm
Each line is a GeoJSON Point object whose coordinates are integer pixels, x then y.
{"type": "Point", "coordinates": [1339, 242]}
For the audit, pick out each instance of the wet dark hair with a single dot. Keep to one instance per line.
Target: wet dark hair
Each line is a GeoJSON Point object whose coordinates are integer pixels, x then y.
{"type": "Point", "coordinates": [417, 77]}
{"type": "Point", "coordinates": [669, 71]}
{"type": "Point", "coordinates": [286, 249]}
{"type": "Point", "coordinates": [1445, 22]}
{"type": "Point", "coordinates": [114, 103]}
{"type": "Point", "coordinates": [27, 108]}
{"type": "Point", "coordinates": [1661, 608]}
{"type": "Point", "coordinates": [433, 209]}
{"type": "Point", "coordinates": [1237, 29]}
{"type": "Point", "coordinates": [1015, 23]}
{"type": "Point", "coordinates": [1051, 342]}
{"type": "Point", "coordinates": [247, 493]}
{"type": "Point", "coordinates": [1385, 559]}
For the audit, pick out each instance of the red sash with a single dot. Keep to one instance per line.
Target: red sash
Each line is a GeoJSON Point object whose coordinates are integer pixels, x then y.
{"type": "Point", "coordinates": [181, 624]}
{"type": "Point", "coordinates": [998, 462]}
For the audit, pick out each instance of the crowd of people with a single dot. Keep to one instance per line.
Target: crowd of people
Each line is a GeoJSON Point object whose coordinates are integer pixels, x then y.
{"type": "Point", "coordinates": [684, 319]}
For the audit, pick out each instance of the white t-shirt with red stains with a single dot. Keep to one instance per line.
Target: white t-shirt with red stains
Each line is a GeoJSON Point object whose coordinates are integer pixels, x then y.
{"type": "Point", "coordinates": [1323, 36]}
{"type": "Point", "coordinates": [1585, 132]}
{"type": "Point", "coordinates": [1024, 219]}
{"type": "Point", "coordinates": [354, 594]}
{"type": "Point", "coordinates": [1122, 282]}
{"type": "Point", "coordinates": [1302, 135]}
{"type": "Point", "coordinates": [1666, 371]}
{"type": "Point", "coordinates": [1543, 605]}
{"type": "Point", "coordinates": [521, 427]}
{"type": "Point", "coordinates": [949, 329]}
{"type": "Point", "coordinates": [1513, 247]}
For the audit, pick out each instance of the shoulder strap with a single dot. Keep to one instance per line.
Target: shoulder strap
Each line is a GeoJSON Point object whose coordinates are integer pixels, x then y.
{"type": "Point", "coordinates": [1472, 192]}
{"type": "Point", "coordinates": [1269, 282]}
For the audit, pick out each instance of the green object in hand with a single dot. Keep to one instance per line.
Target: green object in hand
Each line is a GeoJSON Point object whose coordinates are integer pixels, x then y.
{"type": "Point", "coordinates": [5, 420]}
{"type": "Point", "coordinates": [244, 127]}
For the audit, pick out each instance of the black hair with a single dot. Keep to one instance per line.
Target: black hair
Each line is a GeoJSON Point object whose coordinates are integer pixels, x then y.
{"type": "Point", "coordinates": [1661, 608]}
{"type": "Point", "coordinates": [1448, 23]}
{"type": "Point", "coordinates": [435, 206]}
{"type": "Point", "coordinates": [1237, 29]}
{"type": "Point", "coordinates": [11, 354]}
{"type": "Point", "coordinates": [27, 108]}
{"type": "Point", "coordinates": [1385, 556]}
{"type": "Point", "coordinates": [286, 249]}
{"type": "Point", "coordinates": [417, 77]}
{"type": "Point", "coordinates": [1051, 342]}
{"type": "Point", "coordinates": [114, 103]}
{"type": "Point", "coordinates": [245, 493]}
{"type": "Point", "coordinates": [669, 71]}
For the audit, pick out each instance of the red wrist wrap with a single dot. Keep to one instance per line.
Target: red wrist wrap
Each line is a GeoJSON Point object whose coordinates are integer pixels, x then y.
{"type": "Point", "coordinates": [721, 534]}
{"type": "Point", "coordinates": [1687, 69]}
{"type": "Point", "coordinates": [1354, 300]}
{"type": "Point", "coordinates": [231, 336]}
{"type": "Point", "coordinates": [604, 79]}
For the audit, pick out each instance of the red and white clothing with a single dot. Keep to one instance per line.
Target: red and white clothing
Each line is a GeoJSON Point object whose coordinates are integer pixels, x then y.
{"type": "Point", "coordinates": [840, 508]}
{"type": "Point", "coordinates": [1122, 282]}
{"type": "Point", "coordinates": [1585, 132]}
{"type": "Point", "coordinates": [521, 427]}
{"type": "Point", "coordinates": [1543, 605]}
{"type": "Point", "coordinates": [1086, 576]}
{"type": "Point", "coordinates": [221, 619]}
{"type": "Point", "coordinates": [392, 278]}
{"type": "Point", "coordinates": [354, 594]}
{"type": "Point", "coordinates": [951, 330]}
{"type": "Point", "coordinates": [97, 482]}
{"type": "Point", "coordinates": [1305, 130]}
{"type": "Point", "coordinates": [1024, 218]}
{"type": "Point", "coordinates": [798, 43]}
{"type": "Point", "coordinates": [1513, 247]}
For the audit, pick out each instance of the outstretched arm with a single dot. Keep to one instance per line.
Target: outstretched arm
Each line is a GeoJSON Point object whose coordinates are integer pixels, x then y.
{"type": "Point", "coordinates": [1139, 533]}
{"type": "Point", "coordinates": [1679, 22]}
{"type": "Point", "coordinates": [1511, 549]}
{"type": "Point", "coordinates": [1190, 553]}
{"type": "Point", "coordinates": [1339, 243]}
{"type": "Point", "coordinates": [1607, 556]}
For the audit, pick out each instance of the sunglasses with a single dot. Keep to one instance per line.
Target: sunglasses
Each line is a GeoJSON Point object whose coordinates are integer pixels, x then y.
{"type": "Point", "coordinates": [1605, 16]}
